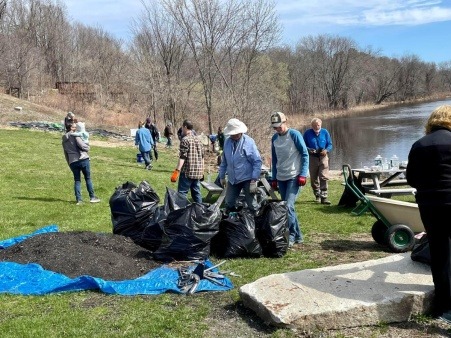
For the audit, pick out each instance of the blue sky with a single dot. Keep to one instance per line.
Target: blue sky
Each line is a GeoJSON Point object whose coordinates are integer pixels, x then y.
{"type": "Point", "coordinates": [393, 27]}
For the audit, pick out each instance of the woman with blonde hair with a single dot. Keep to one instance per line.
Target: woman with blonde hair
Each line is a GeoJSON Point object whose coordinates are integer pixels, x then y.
{"type": "Point", "coordinates": [429, 171]}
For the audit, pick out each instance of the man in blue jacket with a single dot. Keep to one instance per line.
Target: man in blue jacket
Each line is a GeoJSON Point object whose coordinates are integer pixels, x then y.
{"type": "Point", "coordinates": [242, 163]}
{"type": "Point", "coordinates": [290, 161]}
{"type": "Point", "coordinates": [145, 143]}
{"type": "Point", "coordinates": [319, 144]}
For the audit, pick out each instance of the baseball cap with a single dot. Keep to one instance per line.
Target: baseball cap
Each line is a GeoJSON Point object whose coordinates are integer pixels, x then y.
{"type": "Point", "coordinates": [277, 119]}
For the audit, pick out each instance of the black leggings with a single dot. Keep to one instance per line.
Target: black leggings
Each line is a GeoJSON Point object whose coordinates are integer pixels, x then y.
{"type": "Point", "coordinates": [438, 228]}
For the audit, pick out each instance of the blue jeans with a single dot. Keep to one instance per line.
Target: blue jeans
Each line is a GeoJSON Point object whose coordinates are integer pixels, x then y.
{"type": "Point", "coordinates": [147, 156]}
{"type": "Point", "coordinates": [289, 192]}
{"type": "Point", "coordinates": [84, 167]}
{"type": "Point", "coordinates": [234, 190]}
{"type": "Point", "coordinates": [186, 184]}
{"type": "Point", "coordinates": [169, 141]}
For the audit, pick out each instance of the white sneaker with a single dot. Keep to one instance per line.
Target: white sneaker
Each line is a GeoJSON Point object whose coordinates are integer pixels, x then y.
{"type": "Point", "coordinates": [94, 200]}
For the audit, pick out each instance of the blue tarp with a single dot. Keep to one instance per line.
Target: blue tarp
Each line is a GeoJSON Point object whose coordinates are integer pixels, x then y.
{"type": "Point", "coordinates": [32, 279]}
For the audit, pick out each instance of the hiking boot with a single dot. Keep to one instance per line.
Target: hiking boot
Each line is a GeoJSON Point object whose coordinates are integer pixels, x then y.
{"type": "Point", "coordinates": [94, 200]}
{"type": "Point", "coordinates": [324, 200]}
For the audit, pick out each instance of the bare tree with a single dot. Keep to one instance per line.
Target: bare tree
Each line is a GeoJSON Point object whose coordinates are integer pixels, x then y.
{"type": "Point", "coordinates": [409, 78]}
{"type": "Point", "coordinates": [430, 77]}
{"type": "Point", "coordinates": [20, 60]}
{"type": "Point", "coordinates": [159, 41]}
{"type": "Point", "coordinates": [445, 72]}
{"type": "Point", "coordinates": [253, 31]}
{"type": "Point", "coordinates": [383, 82]}
{"type": "Point", "coordinates": [331, 59]}
{"type": "Point", "coordinates": [50, 30]}
{"type": "Point", "coordinates": [225, 39]}
{"type": "Point", "coordinates": [204, 26]}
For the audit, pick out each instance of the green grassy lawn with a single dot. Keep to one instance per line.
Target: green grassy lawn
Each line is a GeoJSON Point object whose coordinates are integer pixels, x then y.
{"type": "Point", "coordinates": [37, 190]}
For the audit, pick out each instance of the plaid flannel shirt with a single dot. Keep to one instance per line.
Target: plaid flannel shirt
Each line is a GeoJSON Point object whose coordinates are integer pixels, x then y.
{"type": "Point", "coordinates": [192, 151]}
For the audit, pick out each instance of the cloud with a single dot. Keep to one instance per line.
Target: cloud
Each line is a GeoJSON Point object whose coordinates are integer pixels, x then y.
{"type": "Point", "coordinates": [408, 17]}
{"type": "Point", "coordinates": [363, 12]}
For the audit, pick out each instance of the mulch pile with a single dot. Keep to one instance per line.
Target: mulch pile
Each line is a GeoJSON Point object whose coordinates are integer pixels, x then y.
{"type": "Point", "coordinates": [107, 256]}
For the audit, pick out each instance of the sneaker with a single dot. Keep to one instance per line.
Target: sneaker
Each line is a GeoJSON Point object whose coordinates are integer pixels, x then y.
{"type": "Point", "coordinates": [446, 317]}
{"type": "Point", "coordinates": [290, 244]}
{"type": "Point", "coordinates": [298, 241]}
{"type": "Point", "coordinates": [94, 200]}
{"type": "Point", "coordinates": [318, 199]}
{"type": "Point", "coordinates": [149, 167]}
{"type": "Point", "coordinates": [324, 200]}
{"type": "Point", "coordinates": [79, 203]}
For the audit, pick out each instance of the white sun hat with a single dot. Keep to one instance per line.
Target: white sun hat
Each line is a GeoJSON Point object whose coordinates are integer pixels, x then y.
{"type": "Point", "coordinates": [234, 126]}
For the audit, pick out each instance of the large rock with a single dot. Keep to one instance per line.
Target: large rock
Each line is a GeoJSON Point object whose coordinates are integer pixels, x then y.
{"type": "Point", "coordinates": [387, 290]}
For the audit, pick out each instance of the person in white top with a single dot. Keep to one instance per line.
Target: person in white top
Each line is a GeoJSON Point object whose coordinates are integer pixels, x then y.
{"type": "Point", "coordinates": [290, 162]}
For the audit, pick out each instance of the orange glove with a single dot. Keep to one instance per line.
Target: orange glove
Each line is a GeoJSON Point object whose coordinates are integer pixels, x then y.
{"type": "Point", "coordinates": [175, 175]}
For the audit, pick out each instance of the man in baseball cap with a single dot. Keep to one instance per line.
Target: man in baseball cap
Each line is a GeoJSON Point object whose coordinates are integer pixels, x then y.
{"type": "Point", "coordinates": [277, 119]}
{"type": "Point", "coordinates": [289, 167]}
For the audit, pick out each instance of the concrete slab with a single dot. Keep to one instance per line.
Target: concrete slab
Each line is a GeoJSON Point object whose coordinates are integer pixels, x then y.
{"type": "Point", "coordinates": [389, 289]}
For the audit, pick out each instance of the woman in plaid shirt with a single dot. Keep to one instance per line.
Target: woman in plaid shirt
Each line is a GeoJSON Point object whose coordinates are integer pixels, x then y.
{"type": "Point", "coordinates": [190, 166]}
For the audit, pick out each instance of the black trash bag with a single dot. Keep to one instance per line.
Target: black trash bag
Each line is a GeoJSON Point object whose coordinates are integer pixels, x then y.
{"type": "Point", "coordinates": [153, 231]}
{"type": "Point", "coordinates": [173, 200]}
{"type": "Point", "coordinates": [236, 237]}
{"type": "Point", "coordinates": [420, 251]}
{"type": "Point", "coordinates": [131, 207]}
{"type": "Point", "coordinates": [187, 233]}
{"type": "Point", "coordinates": [272, 228]}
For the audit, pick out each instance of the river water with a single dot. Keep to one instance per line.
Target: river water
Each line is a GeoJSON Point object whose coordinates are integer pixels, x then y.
{"type": "Point", "coordinates": [357, 140]}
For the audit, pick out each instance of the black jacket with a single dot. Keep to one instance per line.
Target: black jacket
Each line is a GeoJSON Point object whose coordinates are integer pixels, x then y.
{"type": "Point", "coordinates": [429, 168]}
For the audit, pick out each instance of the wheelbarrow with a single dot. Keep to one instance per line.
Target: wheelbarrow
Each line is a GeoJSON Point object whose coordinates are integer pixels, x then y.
{"type": "Point", "coordinates": [396, 221]}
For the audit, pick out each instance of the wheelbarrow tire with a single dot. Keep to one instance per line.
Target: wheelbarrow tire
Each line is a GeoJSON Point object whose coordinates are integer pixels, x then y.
{"type": "Point", "coordinates": [378, 231]}
{"type": "Point", "coordinates": [400, 238]}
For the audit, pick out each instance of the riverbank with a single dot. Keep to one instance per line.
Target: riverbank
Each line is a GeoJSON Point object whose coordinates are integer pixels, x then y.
{"type": "Point", "coordinates": [10, 112]}
{"type": "Point", "coordinates": [304, 120]}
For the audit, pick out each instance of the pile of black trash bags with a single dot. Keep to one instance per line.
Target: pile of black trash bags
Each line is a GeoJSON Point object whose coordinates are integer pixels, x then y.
{"type": "Point", "coordinates": [180, 230]}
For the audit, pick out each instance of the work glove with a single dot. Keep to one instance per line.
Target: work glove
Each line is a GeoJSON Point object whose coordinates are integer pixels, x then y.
{"type": "Point", "coordinates": [175, 175]}
{"type": "Point", "coordinates": [253, 187]}
{"type": "Point", "coordinates": [223, 183]}
{"type": "Point", "coordinates": [302, 180]}
{"type": "Point", "coordinates": [274, 184]}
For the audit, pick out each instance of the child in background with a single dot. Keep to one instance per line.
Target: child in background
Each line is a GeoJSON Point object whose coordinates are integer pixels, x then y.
{"type": "Point", "coordinates": [84, 135]}
{"type": "Point", "coordinates": [81, 131]}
